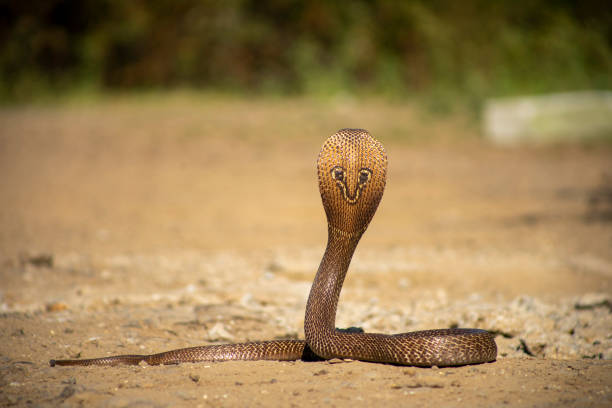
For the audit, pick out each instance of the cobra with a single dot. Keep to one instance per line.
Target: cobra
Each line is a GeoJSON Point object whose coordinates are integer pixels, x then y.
{"type": "Point", "coordinates": [352, 172]}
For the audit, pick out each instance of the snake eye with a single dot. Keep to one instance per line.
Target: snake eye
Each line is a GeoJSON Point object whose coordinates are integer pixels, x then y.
{"type": "Point", "coordinates": [364, 175]}
{"type": "Point", "coordinates": [337, 173]}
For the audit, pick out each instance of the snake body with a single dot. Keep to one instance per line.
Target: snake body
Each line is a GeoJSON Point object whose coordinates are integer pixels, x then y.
{"type": "Point", "coordinates": [352, 168]}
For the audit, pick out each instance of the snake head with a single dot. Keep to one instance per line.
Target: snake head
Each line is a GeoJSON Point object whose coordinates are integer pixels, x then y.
{"type": "Point", "coordinates": [352, 169]}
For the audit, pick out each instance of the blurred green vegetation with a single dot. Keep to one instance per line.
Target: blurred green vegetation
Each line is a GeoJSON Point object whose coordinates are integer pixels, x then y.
{"type": "Point", "coordinates": [445, 53]}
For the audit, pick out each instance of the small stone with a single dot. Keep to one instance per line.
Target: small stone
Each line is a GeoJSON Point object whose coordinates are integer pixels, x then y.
{"type": "Point", "coordinates": [218, 332]}
{"type": "Point", "coordinates": [592, 301]}
{"type": "Point", "coordinates": [56, 307]}
{"type": "Point", "coordinates": [411, 372]}
{"type": "Point", "coordinates": [183, 395]}
{"type": "Point", "coordinates": [37, 259]}
{"type": "Point", "coordinates": [194, 377]}
{"type": "Point", "coordinates": [18, 333]}
{"type": "Point", "coordinates": [339, 360]}
{"type": "Point", "coordinates": [67, 392]}
{"type": "Point", "coordinates": [274, 267]}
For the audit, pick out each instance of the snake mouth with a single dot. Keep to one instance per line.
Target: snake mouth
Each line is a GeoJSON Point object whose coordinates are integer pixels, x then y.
{"type": "Point", "coordinates": [338, 173]}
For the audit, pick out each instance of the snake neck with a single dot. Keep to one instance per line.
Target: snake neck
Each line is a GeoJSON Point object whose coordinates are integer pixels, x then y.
{"type": "Point", "coordinates": [320, 317]}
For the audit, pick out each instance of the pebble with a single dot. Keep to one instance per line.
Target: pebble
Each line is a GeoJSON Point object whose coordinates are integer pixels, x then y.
{"type": "Point", "coordinates": [185, 396]}
{"type": "Point", "coordinates": [218, 332]}
{"type": "Point", "coordinates": [56, 307]}
{"type": "Point", "coordinates": [67, 392]}
{"type": "Point", "coordinates": [339, 360]}
{"type": "Point", "coordinates": [593, 300]}
{"type": "Point", "coordinates": [38, 259]}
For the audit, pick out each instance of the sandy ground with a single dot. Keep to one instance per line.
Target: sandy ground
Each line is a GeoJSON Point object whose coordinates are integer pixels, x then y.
{"type": "Point", "coordinates": [136, 226]}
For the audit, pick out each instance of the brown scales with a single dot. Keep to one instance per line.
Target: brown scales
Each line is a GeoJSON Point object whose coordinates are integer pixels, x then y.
{"type": "Point", "coordinates": [352, 170]}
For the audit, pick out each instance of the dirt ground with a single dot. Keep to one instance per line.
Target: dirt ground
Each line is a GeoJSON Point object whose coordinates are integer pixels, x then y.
{"type": "Point", "coordinates": [137, 225]}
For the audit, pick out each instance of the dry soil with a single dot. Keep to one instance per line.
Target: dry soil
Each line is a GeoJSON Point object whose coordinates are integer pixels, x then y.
{"type": "Point", "coordinates": [139, 225]}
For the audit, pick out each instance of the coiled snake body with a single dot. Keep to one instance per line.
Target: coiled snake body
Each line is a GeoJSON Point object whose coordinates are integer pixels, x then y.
{"type": "Point", "coordinates": [352, 168]}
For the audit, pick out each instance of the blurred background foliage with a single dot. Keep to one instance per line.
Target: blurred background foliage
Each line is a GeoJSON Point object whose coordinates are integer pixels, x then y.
{"type": "Point", "coordinates": [446, 53]}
